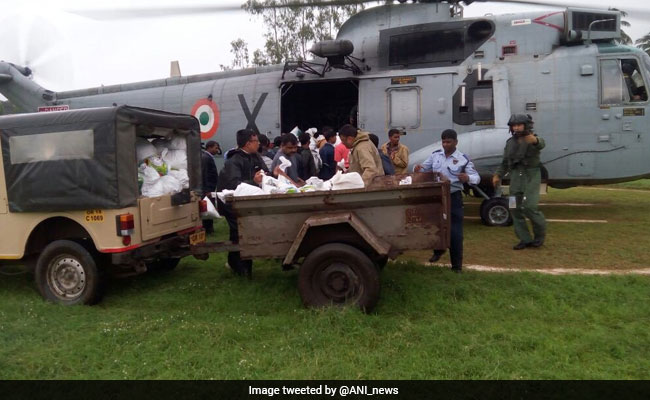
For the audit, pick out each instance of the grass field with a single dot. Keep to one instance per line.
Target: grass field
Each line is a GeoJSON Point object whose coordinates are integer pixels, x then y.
{"type": "Point", "coordinates": [201, 322]}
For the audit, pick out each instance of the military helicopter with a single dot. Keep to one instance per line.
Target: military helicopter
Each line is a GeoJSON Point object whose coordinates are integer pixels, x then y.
{"type": "Point", "coordinates": [422, 67]}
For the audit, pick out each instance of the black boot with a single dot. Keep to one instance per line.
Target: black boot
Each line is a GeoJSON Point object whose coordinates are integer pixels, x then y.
{"type": "Point", "coordinates": [436, 255]}
{"type": "Point", "coordinates": [520, 246]}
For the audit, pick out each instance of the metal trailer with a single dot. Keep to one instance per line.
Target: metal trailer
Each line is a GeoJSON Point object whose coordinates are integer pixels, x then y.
{"type": "Point", "coordinates": [342, 239]}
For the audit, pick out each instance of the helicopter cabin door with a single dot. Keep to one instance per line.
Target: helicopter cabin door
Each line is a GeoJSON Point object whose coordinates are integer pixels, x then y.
{"type": "Point", "coordinates": [418, 105]}
{"type": "Point", "coordinates": [623, 104]}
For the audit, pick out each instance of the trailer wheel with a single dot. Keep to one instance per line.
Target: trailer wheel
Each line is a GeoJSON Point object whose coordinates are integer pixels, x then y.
{"type": "Point", "coordinates": [338, 274]}
{"type": "Point", "coordinates": [495, 212]}
{"type": "Point", "coordinates": [163, 265]}
{"type": "Point", "coordinates": [66, 273]}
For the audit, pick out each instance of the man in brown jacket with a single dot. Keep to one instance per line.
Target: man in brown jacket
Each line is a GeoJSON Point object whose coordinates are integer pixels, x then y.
{"type": "Point", "coordinates": [398, 153]}
{"type": "Point", "coordinates": [364, 156]}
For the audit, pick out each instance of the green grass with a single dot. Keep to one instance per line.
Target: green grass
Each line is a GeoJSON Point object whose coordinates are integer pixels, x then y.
{"type": "Point", "coordinates": [641, 184]}
{"type": "Point", "coordinates": [620, 244]}
{"type": "Point", "coordinates": [201, 322]}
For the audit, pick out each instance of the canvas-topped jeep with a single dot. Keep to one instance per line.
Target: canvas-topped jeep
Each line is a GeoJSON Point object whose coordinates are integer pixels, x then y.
{"type": "Point", "coordinates": [70, 199]}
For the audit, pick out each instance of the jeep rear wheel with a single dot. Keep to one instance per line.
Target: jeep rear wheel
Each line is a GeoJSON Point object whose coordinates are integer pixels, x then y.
{"type": "Point", "coordinates": [66, 273]}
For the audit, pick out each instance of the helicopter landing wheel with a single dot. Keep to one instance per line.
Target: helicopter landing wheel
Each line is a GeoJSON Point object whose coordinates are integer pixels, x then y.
{"type": "Point", "coordinates": [495, 212]}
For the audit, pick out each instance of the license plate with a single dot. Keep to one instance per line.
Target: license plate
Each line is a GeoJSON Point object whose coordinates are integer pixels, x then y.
{"type": "Point", "coordinates": [197, 237]}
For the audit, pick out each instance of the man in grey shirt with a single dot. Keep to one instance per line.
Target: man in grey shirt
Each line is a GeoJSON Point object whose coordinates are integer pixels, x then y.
{"type": "Point", "coordinates": [288, 149]}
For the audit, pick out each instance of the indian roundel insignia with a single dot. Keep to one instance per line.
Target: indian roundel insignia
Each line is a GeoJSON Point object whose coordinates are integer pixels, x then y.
{"type": "Point", "coordinates": [207, 112]}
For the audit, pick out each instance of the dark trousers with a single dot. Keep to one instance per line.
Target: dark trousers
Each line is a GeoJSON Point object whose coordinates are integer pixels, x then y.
{"type": "Point", "coordinates": [239, 266]}
{"type": "Point", "coordinates": [208, 224]}
{"type": "Point", "coordinates": [456, 242]}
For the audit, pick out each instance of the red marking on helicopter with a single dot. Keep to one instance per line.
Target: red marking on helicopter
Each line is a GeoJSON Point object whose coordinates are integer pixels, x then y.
{"type": "Point", "coordinates": [541, 21]}
{"type": "Point", "coordinates": [207, 112]}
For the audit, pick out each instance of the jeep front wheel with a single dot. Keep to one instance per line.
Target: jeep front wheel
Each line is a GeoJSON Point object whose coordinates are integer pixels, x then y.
{"type": "Point", "coordinates": [66, 273]}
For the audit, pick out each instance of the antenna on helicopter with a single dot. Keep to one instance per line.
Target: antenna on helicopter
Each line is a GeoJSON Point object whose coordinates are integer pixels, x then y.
{"type": "Point", "coordinates": [175, 69]}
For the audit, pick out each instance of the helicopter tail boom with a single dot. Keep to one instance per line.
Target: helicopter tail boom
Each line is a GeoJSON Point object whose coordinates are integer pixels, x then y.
{"type": "Point", "coordinates": [17, 86]}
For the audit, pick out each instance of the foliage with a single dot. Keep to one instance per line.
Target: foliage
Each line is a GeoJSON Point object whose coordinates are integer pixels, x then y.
{"type": "Point", "coordinates": [625, 38]}
{"type": "Point", "coordinates": [644, 43]}
{"type": "Point", "coordinates": [290, 31]}
{"type": "Point", "coordinates": [7, 108]}
{"type": "Point", "coordinates": [239, 50]}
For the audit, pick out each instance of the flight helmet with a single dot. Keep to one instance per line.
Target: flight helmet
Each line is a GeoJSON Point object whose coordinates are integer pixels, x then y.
{"type": "Point", "coordinates": [525, 119]}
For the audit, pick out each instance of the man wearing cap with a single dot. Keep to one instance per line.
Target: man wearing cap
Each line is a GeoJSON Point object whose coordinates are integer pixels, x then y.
{"type": "Point", "coordinates": [458, 169]}
{"type": "Point", "coordinates": [521, 160]}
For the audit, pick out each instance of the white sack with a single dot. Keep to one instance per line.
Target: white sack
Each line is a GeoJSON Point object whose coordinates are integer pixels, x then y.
{"type": "Point", "coordinates": [244, 189]}
{"type": "Point", "coordinates": [144, 149]}
{"type": "Point", "coordinates": [170, 184]}
{"type": "Point", "coordinates": [211, 212]}
{"type": "Point", "coordinates": [177, 142]}
{"type": "Point", "coordinates": [160, 144]}
{"type": "Point", "coordinates": [176, 159]}
{"type": "Point", "coordinates": [181, 176]}
{"type": "Point", "coordinates": [318, 183]}
{"type": "Point", "coordinates": [350, 180]}
{"type": "Point", "coordinates": [284, 164]}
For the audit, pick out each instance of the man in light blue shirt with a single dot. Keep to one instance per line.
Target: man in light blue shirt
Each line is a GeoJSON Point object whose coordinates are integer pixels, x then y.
{"type": "Point", "coordinates": [458, 169]}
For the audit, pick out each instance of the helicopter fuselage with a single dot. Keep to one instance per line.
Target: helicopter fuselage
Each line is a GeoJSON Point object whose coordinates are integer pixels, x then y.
{"type": "Point", "coordinates": [423, 70]}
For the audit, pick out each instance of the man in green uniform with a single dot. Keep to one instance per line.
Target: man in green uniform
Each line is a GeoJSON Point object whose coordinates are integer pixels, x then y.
{"type": "Point", "coordinates": [521, 160]}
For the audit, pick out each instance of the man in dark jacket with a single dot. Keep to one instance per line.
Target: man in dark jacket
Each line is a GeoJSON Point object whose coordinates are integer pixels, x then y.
{"type": "Point", "coordinates": [244, 165]}
{"type": "Point", "coordinates": [209, 176]}
{"type": "Point", "coordinates": [328, 169]}
{"type": "Point", "coordinates": [386, 162]}
{"type": "Point", "coordinates": [307, 165]}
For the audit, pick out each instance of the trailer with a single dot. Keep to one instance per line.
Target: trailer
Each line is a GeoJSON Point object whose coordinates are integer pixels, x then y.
{"type": "Point", "coordinates": [341, 239]}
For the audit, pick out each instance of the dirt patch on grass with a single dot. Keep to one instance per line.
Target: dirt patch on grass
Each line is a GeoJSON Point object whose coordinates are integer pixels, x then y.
{"type": "Point", "coordinates": [551, 271]}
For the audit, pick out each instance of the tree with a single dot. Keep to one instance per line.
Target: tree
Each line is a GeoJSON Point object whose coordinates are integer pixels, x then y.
{"type": "Point", "coordinates": [625, 38]}
{"type": "Point", "coordinates": [7, 108]}
{"type": "Point", "coordinates": [239, 49]}
{"type": "Point", "coordinates": [291, 30]}
{"type": "Point", "coordinates": [644, 43]}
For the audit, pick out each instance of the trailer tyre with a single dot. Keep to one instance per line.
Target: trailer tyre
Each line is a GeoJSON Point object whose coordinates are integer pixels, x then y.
{"type": "Point", "coordinates": [66, 273]}
{"type": "Point", "coordinates": [338, 274]}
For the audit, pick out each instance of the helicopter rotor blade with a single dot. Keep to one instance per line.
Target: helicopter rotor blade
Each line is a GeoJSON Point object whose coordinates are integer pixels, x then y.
{"type": "Point", "coordinates": [107, 14]}
{"type": "Point", "coordinates": [153, 12]}
{"type": "Point", "coordinates": [635, 11]}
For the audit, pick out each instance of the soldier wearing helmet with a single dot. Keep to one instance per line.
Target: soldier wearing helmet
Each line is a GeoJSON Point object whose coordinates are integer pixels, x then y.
{"type": "Point", "coordinates": [521, 161]}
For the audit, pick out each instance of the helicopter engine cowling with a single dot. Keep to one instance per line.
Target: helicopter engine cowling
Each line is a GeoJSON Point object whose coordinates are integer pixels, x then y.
{"type": "Point", "coordinates": [332, 48]}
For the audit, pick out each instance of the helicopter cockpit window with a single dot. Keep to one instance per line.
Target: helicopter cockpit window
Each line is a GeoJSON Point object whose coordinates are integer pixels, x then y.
{"type": "Point", "coordinates": [634, 80]}
{"type": "Point", "coordinates": [621, 82]}
{"type": "Point", "coordinates": [483, 104]}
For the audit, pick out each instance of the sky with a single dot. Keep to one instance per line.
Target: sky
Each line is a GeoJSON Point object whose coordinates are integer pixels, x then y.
{"type": "Point", "coordinates": [68, 51]}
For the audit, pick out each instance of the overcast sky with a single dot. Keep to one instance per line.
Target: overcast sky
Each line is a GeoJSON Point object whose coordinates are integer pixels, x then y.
{"type": "Point", "coordinates": [68, 51]}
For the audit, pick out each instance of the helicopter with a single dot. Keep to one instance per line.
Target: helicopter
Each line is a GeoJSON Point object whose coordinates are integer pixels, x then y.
{"type": "Point", "coordinates": [422, 67]}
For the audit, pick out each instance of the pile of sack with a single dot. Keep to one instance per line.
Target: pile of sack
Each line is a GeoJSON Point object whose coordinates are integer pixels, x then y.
{"type": "Point", "coordinates": [162, 166]}
{"type": "Point", "coordinates": [270, 185]}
